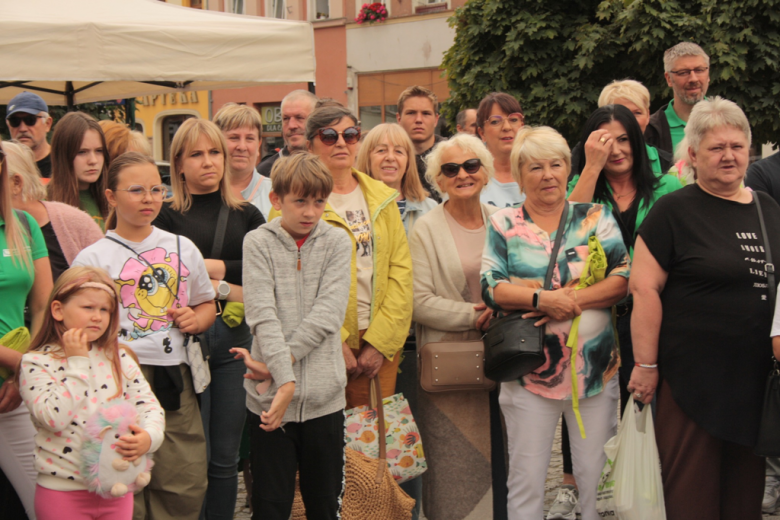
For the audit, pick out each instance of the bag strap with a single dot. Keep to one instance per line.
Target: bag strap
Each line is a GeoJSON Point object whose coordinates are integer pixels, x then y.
{"type": "Point", "coordinates": [769, 267]}
{"type": "Point", "coordinates": [375, 392]}
{"type": "Point", "coordinates": [219, 235]}
{"type": "Point", "coordinates": [25, 223]}
{"type": "Point", "coordinates": [556, 246]}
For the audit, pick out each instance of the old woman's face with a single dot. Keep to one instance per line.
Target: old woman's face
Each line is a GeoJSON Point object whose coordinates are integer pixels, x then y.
{"type": "Point", "coordinates": [722, 158]}
{"type": "Point", "coordinates": [544, 180]}
{"type": "Point", "coordinates": [463, 185]}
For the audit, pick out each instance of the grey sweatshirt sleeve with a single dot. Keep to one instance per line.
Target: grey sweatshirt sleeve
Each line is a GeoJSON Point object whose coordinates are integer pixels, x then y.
{"type": "Point", "coordinates": [261, 313]}
{"type": "Point", "coordinates": [327, 314]}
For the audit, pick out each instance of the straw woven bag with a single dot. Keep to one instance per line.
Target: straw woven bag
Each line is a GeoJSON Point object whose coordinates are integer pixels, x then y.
{"type": "Point", "coordinates": [370, 491]}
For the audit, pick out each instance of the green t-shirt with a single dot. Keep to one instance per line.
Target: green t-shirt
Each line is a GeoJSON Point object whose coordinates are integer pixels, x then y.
{"type": "Point", "coordinates": [655, 161]}
{"type": "Point", "coordinates": [89, 205]}
{"type": "Point", "coordinates": [15, 280]}
{"type": "Point", "coordinates": [676, 125]}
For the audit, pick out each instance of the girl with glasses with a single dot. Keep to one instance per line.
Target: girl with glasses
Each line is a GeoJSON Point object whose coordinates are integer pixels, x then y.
{"type": "Point", "coordinates": [165, 296]}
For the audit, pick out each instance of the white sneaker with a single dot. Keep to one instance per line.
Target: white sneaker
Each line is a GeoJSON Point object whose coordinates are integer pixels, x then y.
{"type": "Point", "coordinates": [566, 504]}
{"type": "Point", "coordinates": [771, 495]}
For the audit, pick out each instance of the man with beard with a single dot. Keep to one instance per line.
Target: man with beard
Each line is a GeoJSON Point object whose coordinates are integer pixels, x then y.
{"type": "Point", "coordinates": [29, 121]}
{"type": "Point", "coordinates": [686, 69]}
{"type": "Point", "coordinates": [296, 107]}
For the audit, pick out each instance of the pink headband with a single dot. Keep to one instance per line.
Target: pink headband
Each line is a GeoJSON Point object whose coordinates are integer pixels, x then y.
{"type": "Point", "coordinates": [98, 285]}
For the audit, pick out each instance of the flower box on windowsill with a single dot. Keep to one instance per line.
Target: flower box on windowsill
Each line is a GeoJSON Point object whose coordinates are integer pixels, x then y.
{"type": "Point", "coordinates": [430, 8]}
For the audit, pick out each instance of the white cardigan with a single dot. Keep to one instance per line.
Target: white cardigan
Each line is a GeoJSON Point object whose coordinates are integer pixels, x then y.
{"type": "Point", "coordinates": [441, 294]}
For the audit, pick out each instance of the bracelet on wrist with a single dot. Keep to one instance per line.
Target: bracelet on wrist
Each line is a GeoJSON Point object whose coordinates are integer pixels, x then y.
{"type": "Point", "coordinates": [646, 365]}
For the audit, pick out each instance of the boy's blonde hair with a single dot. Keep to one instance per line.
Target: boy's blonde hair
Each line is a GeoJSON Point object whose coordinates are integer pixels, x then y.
{"type": "Point", "coordinates": [302, 174]}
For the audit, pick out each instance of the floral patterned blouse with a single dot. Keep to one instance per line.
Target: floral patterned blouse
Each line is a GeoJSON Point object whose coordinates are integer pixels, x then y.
{"type": "Point", "coordinates": [518, 251]}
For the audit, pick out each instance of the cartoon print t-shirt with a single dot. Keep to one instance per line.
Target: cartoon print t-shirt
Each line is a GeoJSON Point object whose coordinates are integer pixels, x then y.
{"type": "Point", "coordinates": [353, 209]}
{"type": "Point", "coordinates": [147, 284]}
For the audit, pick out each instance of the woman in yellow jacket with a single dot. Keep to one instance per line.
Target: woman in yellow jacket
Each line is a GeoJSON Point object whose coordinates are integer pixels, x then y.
{"type": "Point", "coordinates": [379, 312]}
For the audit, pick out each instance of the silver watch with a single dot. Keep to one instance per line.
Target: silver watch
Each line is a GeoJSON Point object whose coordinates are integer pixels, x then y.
{"type": "Point", "coordinates": [223, 290]}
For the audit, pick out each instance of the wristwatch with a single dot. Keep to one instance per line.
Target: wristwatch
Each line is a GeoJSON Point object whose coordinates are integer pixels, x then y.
{"type": "Point", "coordinates": [223, 290]}
{"type": "Point", "coordinates": [535, 301]}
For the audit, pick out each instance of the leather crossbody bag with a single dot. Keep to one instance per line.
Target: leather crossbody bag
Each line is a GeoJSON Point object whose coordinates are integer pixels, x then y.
{"type": "Point", "coordinates": [514, 346]}
{"type": "Point", "coordinates": [446, 366]}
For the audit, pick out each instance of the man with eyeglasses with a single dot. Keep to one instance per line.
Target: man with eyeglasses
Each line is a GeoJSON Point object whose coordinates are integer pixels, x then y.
{"type": "Point", "coordinates": [296, 107]}
{"type": "Point", "coordinates": [29, 121]}
{"type": "Point", "coordinates": [686, 69]}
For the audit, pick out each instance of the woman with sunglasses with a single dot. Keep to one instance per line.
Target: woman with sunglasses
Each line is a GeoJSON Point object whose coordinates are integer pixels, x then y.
{"type": "Point", "coordinates": [379, 312]}
{"type": "Point", "coordinates": [79, 161]}
{"type": "Point", "coordinates": [446, 246]}
{"type": "Point", "coordinates": [165, 295]}
{"type": "Point", "coordinates": [499, 117]}
{"type": "Point", "coordinates": [201, 181]}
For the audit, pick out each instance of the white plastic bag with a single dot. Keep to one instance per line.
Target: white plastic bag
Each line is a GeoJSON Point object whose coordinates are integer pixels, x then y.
{"type": "Point", "coordinates": [630, 487]}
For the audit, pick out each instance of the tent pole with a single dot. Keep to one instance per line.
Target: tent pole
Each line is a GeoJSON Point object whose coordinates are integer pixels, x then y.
{"type": "Point", "coordinates": [130, 113]}
{"type": "Point", "coordinates": [69, 95]}
{"type": "Point", "coordinates": [312, 88]}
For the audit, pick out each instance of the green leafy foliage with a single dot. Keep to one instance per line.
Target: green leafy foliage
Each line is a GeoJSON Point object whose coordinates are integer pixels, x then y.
{"type": "Point", "coordinates": [555, 57]}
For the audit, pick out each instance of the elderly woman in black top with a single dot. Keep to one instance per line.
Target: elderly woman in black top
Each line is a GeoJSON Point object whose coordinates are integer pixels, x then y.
{"type": "Point", "coordinates": [701, 323]}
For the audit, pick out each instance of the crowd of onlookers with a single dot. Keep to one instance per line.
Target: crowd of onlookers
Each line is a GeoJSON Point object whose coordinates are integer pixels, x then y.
{"type": "Point", "coordinates": [241, 309]}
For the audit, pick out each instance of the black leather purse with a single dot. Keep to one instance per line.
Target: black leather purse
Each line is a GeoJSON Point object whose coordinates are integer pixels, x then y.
{"type": "Point", "coordinates": [768, 444]}
{"type": "Point", "coordinates": [514, 346]}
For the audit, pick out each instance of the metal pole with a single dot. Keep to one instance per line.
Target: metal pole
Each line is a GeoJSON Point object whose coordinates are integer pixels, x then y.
{"type": "Point", "coordinates": [312, 88]}
{"type": "Point", "coordinates": [69, 95]}
{"type": "Point", "coordinates": [130, 112]}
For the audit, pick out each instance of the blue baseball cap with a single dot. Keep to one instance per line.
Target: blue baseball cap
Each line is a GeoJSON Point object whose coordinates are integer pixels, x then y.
{"type": "Point", "coordinates": [28, 103]}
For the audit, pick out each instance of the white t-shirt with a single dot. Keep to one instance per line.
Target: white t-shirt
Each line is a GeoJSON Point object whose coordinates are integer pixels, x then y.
{"type": "Point", "coordinates": [353, 209]}
{"type": "Point", "coordinates": [145, 296]}
{"type": "Point", "coordinates": [501, 194]}
{"type": "Point", "coordinates": [257, 193]}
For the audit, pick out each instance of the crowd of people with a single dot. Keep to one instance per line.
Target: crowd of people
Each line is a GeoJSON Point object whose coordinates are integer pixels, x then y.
{"type": "Point", "coordinates": [238, 312]}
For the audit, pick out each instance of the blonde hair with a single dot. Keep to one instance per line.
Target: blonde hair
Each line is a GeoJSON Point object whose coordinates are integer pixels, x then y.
{"type": "Point", "coordinates": [411, 186]}
{"type": "Point", "coordinates": [535, 143]}
{"type": "Point", "coordinates": [21, 163]}
{"type": "Point", "coordinates": [301, 174]}
{"type": "Point", "coordinates": [186, 137]}
{"type": "Point", "coordinates": [628, 89]}
{"type": "Point", "coordinates": [681, 50]}
{"type": "Point", "coordinates": [139, 143]}
{"type": "Point", "coordinates": [18, 240]}
{"type": "Point", "coordinates": [232, 116]}
{"type": "Point", "coordinates": [465, 142]}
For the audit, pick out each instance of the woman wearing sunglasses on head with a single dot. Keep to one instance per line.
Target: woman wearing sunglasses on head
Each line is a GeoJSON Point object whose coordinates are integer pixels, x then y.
{"type": "Point", "coordinates": [380, 302]}
{"type": "Point", "coordinates": [499, 117]}
{"type": "Point", "coordinates": [446, 245]}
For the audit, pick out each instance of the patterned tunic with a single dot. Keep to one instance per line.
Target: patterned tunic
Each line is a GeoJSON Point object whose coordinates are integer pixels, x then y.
{"type": "Point", "coordinates": [518, 251]}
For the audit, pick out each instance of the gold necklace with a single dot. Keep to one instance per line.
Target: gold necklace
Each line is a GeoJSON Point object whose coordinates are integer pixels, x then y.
{"type": "Point", "coordinates": [618, 197]}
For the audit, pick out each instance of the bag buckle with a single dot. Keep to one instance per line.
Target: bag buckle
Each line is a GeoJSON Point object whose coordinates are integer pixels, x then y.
{"type": "Point", "coordinates": [769, 268]}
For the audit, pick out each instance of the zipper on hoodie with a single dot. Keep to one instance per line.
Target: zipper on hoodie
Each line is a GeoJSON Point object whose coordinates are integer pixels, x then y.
{"type": "Point", "coordinates": [299, 281]}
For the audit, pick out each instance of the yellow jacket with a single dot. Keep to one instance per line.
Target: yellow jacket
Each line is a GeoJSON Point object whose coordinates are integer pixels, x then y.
{"type": "Point", "coordinates": [392, 295]}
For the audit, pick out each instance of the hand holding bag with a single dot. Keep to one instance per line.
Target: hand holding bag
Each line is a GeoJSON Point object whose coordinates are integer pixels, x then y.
{"type": "Point", "coordinates": [514, 346]}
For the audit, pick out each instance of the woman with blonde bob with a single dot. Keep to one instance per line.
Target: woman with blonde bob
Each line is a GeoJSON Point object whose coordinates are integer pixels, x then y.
{"type": "Point", "coordinates": [514, 264]}
{"type": "Point", "coordinates": [387, 154]}
{"type": "Point", "coordinates": [702, 322]}
{"type": "Point", "coordinates": [202, 196]}
{"type": "Point", "coordinates": [446, 246]}
{"type": "Point", "coordinates": [67, 230]}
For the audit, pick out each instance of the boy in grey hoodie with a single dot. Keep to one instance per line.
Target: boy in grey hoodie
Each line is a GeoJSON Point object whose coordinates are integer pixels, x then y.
{"type": "Point", "coordinates": [296, 288]}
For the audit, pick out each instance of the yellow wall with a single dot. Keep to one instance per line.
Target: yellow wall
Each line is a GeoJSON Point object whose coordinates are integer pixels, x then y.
{"type": "Point", "coordinates": [150, 111]}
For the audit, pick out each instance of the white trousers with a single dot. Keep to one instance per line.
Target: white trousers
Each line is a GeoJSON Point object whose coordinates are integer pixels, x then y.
{"type": "Point", "coordinates": [530, 423]}
{"type": "Point", "coordinates": [16, 455]}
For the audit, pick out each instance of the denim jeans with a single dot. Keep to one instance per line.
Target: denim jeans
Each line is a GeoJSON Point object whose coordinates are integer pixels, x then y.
{"type": "Point", "coordinates": [223, 410]}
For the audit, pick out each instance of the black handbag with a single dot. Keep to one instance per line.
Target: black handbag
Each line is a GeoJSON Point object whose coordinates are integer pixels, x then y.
{"type": "Point", "coordinates": [514, 346]}
{"type": "Point", "coordinates": [768, 444]}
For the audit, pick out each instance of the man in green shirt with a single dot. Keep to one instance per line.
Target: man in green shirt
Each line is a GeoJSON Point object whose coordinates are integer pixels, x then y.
{"type": "Point", "coordinates": [686, 69]}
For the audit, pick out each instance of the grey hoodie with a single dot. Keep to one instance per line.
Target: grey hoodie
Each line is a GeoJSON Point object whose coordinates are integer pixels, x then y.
{"type": "Point", "coordinates": [299, 312]}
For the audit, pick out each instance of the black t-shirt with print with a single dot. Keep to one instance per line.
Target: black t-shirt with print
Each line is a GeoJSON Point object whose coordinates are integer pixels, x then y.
{"type": "Point", "coordinates": [714, 345]}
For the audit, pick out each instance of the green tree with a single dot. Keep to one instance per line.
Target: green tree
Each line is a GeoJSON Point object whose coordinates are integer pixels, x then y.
{"type": "Point", "coordinates": [556, 57]}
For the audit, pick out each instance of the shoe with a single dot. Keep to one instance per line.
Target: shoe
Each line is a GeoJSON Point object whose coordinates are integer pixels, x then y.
{"type": "Point", "coordinates": [771, 495]}
{"type": "Point", "coordinates": [566, 504]}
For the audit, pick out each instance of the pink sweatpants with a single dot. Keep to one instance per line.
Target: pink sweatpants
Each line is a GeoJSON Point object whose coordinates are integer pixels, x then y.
{"type": "Point", "coordinates": [80, 505]}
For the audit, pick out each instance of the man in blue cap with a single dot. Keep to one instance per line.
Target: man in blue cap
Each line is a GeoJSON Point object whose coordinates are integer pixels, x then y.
{"type": "Point", "coordinates": [29, 121]}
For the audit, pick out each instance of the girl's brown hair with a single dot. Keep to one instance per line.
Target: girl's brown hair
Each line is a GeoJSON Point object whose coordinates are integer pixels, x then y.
{"type": "Point", "coordinates": [15, 236]}
{"type": "Point", "coordinates": [65, 144]}
{"type": "Point", "coordinates": [115, 170]}
{"type": "Point", "coordinates": [68, 285]}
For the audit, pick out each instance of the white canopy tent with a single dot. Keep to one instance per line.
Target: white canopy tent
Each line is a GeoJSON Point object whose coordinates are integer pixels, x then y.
{"type": "Point", "coordinates": [80, 51]}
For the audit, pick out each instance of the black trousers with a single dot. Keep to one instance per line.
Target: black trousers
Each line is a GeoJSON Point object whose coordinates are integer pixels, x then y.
{"type": "Point", "coordinates": [315, 448]}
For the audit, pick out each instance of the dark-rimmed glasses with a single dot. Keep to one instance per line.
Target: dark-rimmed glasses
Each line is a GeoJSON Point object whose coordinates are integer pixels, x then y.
{"type": "Point", "coordinates": [137, 192]}
{"type": "Point", "coordinates": [329, 136]}
{"type": "Point", "coordinates": [684, 73]}
{"type": "Point", "coordinates": [452, 169]}
{"type": "Point", "coordinates": [28, 119]}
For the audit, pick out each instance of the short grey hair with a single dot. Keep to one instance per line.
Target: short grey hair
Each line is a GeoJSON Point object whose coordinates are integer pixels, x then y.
{"type": "Point", "coordinates": [680, 50]}
{"type": "Point", "coordinates": [300, 94]}
{"type": "Point", "coordinates": [711, 113]}
{"type": "Point", "coordinates": [21, 162]}
{"type": "Point", "coordinates": [465, 142]}
{"type": "Point", "coordinates": [460, 119]}
{"type": "Point", "coordinates": [537, 143]}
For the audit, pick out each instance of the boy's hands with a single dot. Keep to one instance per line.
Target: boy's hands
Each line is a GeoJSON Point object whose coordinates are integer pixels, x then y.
{"type": "Point", "coordinates": [259, 371]}
{"type": "Point", "coordinates": [272, 419]}
{"type": "Point", "coordinates": [186, 319]}
{"type": "Point", "coordinates": [133, 446]}
{"type": "Point", "coordinates": [74, 343]}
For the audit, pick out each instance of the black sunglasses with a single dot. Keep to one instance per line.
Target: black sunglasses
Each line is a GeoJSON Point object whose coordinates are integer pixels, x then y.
{"type": "Point", "coordinates": [452, 169]}
{"type": "Point", "coordinates": [28, 119]}
{"type": "Point", "coordinates": [330, 136]}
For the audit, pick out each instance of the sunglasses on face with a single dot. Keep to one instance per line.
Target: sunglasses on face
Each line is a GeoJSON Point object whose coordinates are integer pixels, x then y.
{"type": "Point", "coordinates": [28, 119]}
{"type": "Point", "coordinates": [330, 136]}
{"type": "Point", "coordinates": [452, 169]}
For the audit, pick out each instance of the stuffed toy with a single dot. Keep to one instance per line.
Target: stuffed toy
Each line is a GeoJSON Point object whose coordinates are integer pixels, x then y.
{"type": "Point", "coordinates": [106, 472]}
